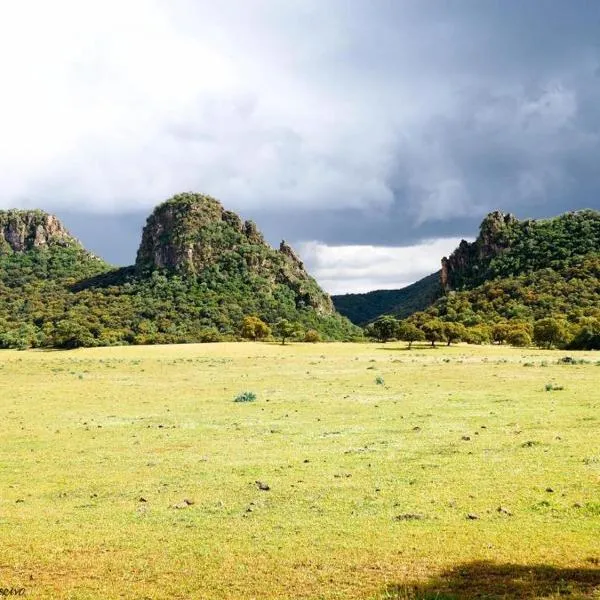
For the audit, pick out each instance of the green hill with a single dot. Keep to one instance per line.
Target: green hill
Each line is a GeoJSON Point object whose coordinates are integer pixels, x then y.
{"type": "Point", "coordinates": [199, 271]}
{"type": "Point", "coordinates": [523, 280]}
{"type": "Point", "coordinates": [507, 247]}
{"type": "Point", "coordinates": [364, 308]}
{"type": "Point", "coordinates": [516, 274]}
{"type": "Point", "coordinates": [525, 270]}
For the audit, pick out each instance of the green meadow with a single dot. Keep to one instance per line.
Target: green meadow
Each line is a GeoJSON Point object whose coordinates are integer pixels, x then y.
{"type": "Point", "coordinates": [383, 473]}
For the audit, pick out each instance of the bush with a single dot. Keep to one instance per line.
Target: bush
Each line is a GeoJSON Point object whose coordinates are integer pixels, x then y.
{"type": "Point", "coordinates": [519, 338]}
{"type": "Point", "coordinates": [312, 336]}
{"type": "Point", "coordinates": [209, 335]}
{"type": "Point", "coordinates": [245, 397]}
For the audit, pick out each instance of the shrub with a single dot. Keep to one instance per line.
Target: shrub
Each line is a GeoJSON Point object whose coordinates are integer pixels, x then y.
{"type": "Point", "coordinates": [209, 335]}
{"type": "Point", "coordinates": [519, 338]}
{"type": "Point", "coordinates": [245, 397]}
{"type": "Point", "coordinates": [312, 336]}
{"type": "Point", "coordinates": [254, 328]}
{"type": "Point", "coordinates": [379, 380]}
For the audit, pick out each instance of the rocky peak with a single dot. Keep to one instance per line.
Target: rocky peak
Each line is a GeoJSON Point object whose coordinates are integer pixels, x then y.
{"type": "Point", "coordinates": [170, 241]}
{"type": "Point", "coordinates": [288, 251]}
{"type": "Point", "coordinates": [192, 233]}
{"type": "Point", "coordinates": [22, 230]}
{"type": "Point", "coordinates": [469, 262]}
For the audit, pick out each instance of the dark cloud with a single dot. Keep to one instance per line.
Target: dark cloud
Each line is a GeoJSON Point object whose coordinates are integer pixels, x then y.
{"type": "Point", "coordinates": [383, 123]}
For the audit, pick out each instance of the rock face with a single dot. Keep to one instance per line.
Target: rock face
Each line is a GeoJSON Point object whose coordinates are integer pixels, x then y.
{"type": "Point", "coordinates": [23, 230]}
{"type": "Point", "coordinates": [467, 265]}
{"type": "Point", "coordinates": [288, 251]}
{"type": "Point", "coordinates": [192, 235]}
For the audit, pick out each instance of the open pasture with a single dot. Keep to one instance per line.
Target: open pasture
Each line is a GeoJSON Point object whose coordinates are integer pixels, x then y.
{"type": "Point", "coordinates": [462, 472]}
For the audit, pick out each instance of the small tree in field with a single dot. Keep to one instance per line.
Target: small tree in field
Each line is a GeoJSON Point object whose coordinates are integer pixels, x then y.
{"type": "Point", "coordinates": [410, 333]}
{"type": "Point", "coordinates": [454, 332]}
{"type": "Point", "coordinates": [519, 338]}
{"type": "Point", "coordinates": [312, 336]}
{"type": "Point", "coordinates": [385, 328]}
{"type": "Point", "coordinates": [434, 331]}
{"type": "Point", "coordinates": [254, 328]}
{"type": "Point", "coordinates": [285, 329]}
{"type": "Point", "coordinates": [549, 332]}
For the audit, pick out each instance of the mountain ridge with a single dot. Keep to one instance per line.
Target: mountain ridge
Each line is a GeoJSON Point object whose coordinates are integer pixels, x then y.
{"type": "Point", "coordinates": [199, 271]}
{"type": "Point", "coordinates": [505, 248]}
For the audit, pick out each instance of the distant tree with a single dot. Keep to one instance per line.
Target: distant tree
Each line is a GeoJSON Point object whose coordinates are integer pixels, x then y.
{"type": "Point", "coordinates": [587, 337]}
{"type": "Point", "coordinates": [409, 332]}
{"type": "Point", "coordinates": [454, 332]}
{"type": "Point", "coordinates": [500, 332]}
{"type": "Point", "coordinates": [71, 334]}
{"type": "Point", "coordinates": [285, 329]}
{"type": "Point", "coordinates": [385, 328]}
{"type": "Point", "coordinates": [478, 334]}
{"type": "Point", "coordinates": [254, 328]}
{"type": "Point", "coordinates": [519, 338]}
{"type": "Point", "coordinates": [434, 331]}
{"type": "Point", "coordinates": [549, 332]}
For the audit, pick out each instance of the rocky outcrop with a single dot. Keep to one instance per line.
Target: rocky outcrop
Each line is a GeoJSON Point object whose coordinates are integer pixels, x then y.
{"type": "Point", "coordinates": [288, 251]}
{"type": "Point", "coordinates": [467, 265]}
{"type": "Point", "coordinates": [191, 234]}
{"type": "Point", "coordinates": [23, 230]}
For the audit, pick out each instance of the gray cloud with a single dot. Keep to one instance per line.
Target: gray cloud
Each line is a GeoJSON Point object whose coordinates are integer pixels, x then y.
{"type": "Point", "coordinates": [378, 123]}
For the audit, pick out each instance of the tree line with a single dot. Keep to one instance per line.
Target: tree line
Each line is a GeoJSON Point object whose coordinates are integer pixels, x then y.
{"type": "Point", "coordinates": [548, 332]}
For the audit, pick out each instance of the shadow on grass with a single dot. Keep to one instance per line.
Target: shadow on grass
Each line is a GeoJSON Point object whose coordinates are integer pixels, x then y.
{"type": "Point", "coordinates": [490, 581]}
{"type": "Point", "coordinates": [414, 347]}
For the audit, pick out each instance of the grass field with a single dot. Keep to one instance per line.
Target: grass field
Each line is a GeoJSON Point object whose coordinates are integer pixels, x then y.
{"type": "Point", "coordinates": [131, 473]}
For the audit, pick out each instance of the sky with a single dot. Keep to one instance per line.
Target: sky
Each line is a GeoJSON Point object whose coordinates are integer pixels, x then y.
{"type": "Point", "coordinates": [370, 134]}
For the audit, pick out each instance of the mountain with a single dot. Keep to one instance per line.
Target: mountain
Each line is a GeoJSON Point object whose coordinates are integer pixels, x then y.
{"type": "Point", "coordinates": [525, 270]}
{"type": "Point", "coordinates": [515, 272]}
{"type": "Point", "coordinates": [35, 245]}
{"type": "Point", "coordinates": [199, 271]}
{"type": "Point", "coordinates": [507, 247]}
{"type": "Point", "coordinates": [364, 308]}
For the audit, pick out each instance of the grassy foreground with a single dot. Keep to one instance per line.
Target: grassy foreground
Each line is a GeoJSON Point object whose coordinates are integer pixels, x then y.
{"type": "Point", "coordinates": [131, 473]}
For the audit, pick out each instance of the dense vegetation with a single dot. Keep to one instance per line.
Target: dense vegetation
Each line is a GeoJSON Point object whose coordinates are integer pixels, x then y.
{"type": "Point", "coordinates": [519, 282]}
{"type": "Point", "coordinates": [204, 275]}
{"type": "Point", "coordinates": [364, 308]}
{"type": "Point", "coordinates": [507, 248]}
{"type": "Point", "coordinates": [58, 295]}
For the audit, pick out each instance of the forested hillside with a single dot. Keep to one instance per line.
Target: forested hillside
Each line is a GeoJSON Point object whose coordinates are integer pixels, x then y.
{"type": "Point", "coordinates": [520, 281]}
{"type": "Point", "coordinates": [364, 308]}
{"type": "Point", "coordinates": [199, 272]}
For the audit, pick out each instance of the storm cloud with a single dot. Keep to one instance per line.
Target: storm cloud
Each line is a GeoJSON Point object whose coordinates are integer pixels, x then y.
{"type": "Point", "coordinates": [376, 124]}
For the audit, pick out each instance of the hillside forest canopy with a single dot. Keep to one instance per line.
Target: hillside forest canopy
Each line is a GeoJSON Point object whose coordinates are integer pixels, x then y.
{"type": "Point", "coordinates": [204, 275]}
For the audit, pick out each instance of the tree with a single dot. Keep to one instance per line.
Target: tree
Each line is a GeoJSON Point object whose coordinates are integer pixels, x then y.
{"type": "Point", "coordinates": [385, 328]}
{"type": "Point", "coordinates": [549, 332]}
{"type": "Point", "coordinates": [285, 329]}
{"type": "Point", "coordinates": [254, 328]}
{"type": "Point", "coordinates": [500, 332]}
{"type": "Point", "coordinates": [588, 335]}
{"type": "Point", "coordinates": [409, 332]}
{"type": "Point", "coordinates": [479, 334]}
{"type": "Point", "coordinates": [519, 338]}
{"type": "Point", "coordinates": [434, 331]}
{"type": "Point", "coordinates": [71, 334]}
{"type": "Point", "coordinates": [454, 332]}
